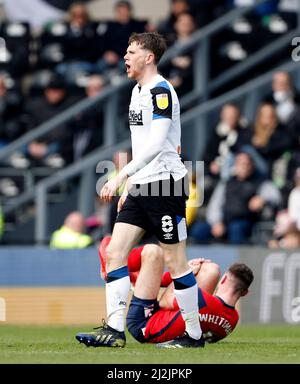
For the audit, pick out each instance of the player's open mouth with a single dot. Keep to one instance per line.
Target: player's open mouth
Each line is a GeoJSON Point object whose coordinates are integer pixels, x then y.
{"type": "Point", "coordinates": [127, 67]}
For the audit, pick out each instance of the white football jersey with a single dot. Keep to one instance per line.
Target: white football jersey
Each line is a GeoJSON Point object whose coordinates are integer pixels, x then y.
{"type": "Point", "coordinates": [156, 100]}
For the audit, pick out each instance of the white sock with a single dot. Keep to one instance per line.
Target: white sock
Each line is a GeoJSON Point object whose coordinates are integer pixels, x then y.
{"type": "Point", "coordinates": [116, 300]}
{"type": "Point", "coordinates": [187, 299]}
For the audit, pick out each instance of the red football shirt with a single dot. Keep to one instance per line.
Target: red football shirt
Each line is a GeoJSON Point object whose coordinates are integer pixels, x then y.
{"type": "Point", "coordinates": [216, 317]}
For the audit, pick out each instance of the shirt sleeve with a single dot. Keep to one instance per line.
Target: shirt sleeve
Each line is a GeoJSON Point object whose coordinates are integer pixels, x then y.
{"type": "Point", "coordinates": [162, 103]}
{"type": "Point", "coordinates": [161, 122]}
{"type": "Point", "coordinates": [157, 137]}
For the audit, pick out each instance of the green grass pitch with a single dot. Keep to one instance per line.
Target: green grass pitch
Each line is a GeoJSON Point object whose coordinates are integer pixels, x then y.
{"type": "Point", "coordinates": [55, 345]}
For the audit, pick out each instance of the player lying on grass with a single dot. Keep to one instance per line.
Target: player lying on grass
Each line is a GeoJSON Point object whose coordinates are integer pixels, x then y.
{"type": "Point", "coordinates": [150, 320]}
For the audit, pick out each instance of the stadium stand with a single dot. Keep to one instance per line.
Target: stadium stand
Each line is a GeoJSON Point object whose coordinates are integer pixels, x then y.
{"type": "Point", "coordinates": [233, 52]}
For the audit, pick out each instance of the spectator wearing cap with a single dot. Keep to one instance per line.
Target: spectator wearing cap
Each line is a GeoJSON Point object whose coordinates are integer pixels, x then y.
{"type": "Point", "coordinates": [236, 205]}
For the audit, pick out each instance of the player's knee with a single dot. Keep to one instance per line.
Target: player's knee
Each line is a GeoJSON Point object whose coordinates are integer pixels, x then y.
{"type": "Point", "coordinates": [152, 253]}
{"type": "Point", "coordinates": [211, 269]}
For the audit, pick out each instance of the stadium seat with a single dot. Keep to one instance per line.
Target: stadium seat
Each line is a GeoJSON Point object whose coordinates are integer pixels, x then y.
{"type": "Point", "coordinates": [16, 44]}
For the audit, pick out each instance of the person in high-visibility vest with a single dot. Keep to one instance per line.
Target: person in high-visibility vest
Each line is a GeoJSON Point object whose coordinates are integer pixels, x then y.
{"type": "Point", "coordinates": [71, 234]}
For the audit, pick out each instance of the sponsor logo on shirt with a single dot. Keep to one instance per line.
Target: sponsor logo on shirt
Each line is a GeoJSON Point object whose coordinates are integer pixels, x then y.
{"type": "Point", "coordinates": [135, 118]}
{"type": "Point", "coordinates": [162, 101]}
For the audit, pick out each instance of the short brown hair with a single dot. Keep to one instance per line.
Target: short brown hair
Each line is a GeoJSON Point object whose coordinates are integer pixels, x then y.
{"type": "Point", "coordinates": [152, 41]}
{"type": "Point", "coordinates": [243, 275]}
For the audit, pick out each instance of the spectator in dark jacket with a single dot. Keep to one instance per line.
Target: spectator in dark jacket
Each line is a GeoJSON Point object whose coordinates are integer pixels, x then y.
{"type": "Point", "coordinates": [85, 131]}
{"type": "Point", "coordinates": [268, 140]}
{"type": "Point", "coordinates": [236, 205]}
{"type": "Point", "coordinates": [230, 135]}
{"type": "Point", "coordinates": [82, 46]}
{"type": "Point", "coordinates": [167, 27]}
{"type": "Point", "coordinates": [180, 70]}
{"type": "Point", "coordinates": [286, 100]}
{"type": "Point", "coordinates": [47, 149]}
{"type": "Point", "coordinates": [117, 36]}
{"type": "Point", "coordinates": [284, 96]}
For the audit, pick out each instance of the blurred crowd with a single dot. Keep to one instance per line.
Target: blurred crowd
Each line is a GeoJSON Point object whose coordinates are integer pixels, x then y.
{"type": "Point", "coordinates": [252, 172]}
{"type": "Point", "coordinates": [252, 168]}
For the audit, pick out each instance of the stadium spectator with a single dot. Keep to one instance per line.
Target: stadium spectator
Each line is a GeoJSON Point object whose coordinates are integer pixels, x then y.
{"type": "Point", "coordinates": [229, 136]}
{"type": "Point", "coordinates": [81, 47]}
{"type": "Point", "coordinates": [47, 151]}
{"type": "Point", "coordinates": [180, 71]}
{"type": "Point", "coordinates": [167, 27]}
{"type": "Point", "coordinates": [117, 36]}
{"type": "Point", "coordinates": [268, 139]}
{"type": "Point", "coordinates": [287, 224]}
{"type": "Point", "coordinates": [284, 96]}
{"type": "Point", "coordinates": [85, 131]}
{"type": "Point", "coordinates": [153, 321]}
{"type": "Point", "coordinates": [286, 234]}
{"type": "Point", "coordinates": [71, 235]}
{"type": "Point", "coordinates": [236, 205]}
{"type": "Point", "coordinates": [286, 100]}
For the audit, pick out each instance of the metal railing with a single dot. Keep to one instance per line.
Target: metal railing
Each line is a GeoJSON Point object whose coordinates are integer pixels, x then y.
{"type": "Point", "coordinates": [86, 168]}
{"type": "Point", "coordinates": [199, 43]}
{"type": "Point", "coordinates": [193, 120]}
{"type": "Point", "coordinates": [248, 94]}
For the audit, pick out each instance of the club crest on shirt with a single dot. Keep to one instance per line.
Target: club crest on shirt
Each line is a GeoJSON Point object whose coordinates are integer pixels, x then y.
{"type": "Point", "coordinates": [162, 101]}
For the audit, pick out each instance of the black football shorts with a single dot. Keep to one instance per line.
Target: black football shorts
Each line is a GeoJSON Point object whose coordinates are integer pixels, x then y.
{"type": "Point", "coordinates": [158, 208]}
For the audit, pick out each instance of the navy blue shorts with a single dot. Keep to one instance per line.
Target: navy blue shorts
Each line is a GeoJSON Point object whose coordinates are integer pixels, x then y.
{"type": "Point", "coordinates": [139, 312]}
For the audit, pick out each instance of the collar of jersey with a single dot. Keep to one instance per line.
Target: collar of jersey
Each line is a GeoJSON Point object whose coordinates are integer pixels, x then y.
{"type": "Point", "coordinates": [223, 302]}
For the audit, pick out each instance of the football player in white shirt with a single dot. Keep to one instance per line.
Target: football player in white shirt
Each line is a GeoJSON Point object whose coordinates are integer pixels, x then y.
{"type": "Point", "coordinates": [154, 199]}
